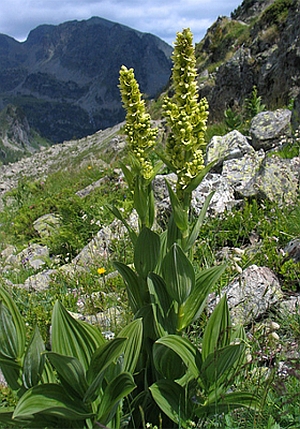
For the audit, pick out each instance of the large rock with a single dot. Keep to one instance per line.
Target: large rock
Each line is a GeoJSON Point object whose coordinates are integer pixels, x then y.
{"type": "Point", "coordinates": [251, 294]}
{"type": "Point", "coordinates": [223, 198]}
{"type": "Point", "coordinates": [233, 145]}
{"type": "Point", "coordinates": [239, 172]}
{"type": "Point", "coordinates": [276, 180]}
{"type": "Point", "coordinates": [267, 128]}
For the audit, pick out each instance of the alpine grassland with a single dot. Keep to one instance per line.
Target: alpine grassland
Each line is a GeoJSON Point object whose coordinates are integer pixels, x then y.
{"type": "Point", "coordinates": [169, 362]}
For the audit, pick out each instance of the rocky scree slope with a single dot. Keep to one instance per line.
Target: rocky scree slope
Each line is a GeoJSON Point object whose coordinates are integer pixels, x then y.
{"type": "Point", "coordinates": [65, 77]}
{"type": "Point", "coordinates": [247, 167]}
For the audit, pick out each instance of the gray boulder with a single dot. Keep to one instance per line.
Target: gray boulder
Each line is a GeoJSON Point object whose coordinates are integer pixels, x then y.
{"type": "Point", "coordinates": [267, 128]}
{"type": "Point", "coordinates": [251, 294]}
{"type": "Point", "coordinates": [233, 145]}
{"type": "Point", "coordinates": [46, 224]}
{"type": "Point", "coordinates": [276, 180]}
{"type": "Point", "coordinates": [239, 172]}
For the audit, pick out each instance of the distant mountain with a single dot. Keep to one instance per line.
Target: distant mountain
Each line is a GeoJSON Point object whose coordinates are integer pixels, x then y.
{"type": "Point", "coordinates": [65, 77]}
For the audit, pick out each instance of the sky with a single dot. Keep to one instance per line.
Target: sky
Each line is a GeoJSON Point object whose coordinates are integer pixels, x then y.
{"type": "Point", "coordinates": [162, 18]}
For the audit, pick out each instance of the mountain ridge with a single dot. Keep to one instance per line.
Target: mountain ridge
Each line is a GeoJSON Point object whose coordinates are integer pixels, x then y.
{"type": "Point", "coordinates": [65, 77]}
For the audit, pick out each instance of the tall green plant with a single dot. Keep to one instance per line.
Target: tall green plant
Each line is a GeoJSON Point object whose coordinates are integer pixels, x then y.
{"type": "Point", "coordinates": [173, 378]}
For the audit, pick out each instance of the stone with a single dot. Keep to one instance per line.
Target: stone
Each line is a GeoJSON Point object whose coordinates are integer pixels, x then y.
{"type": "Point", "coordinates": [233, 145]}
{"type": "Point", "coordinates": [251, 295]}
{"type": "Point", "coordinates": [239, 172]}
{"type": "Point", "coordinates": [39, 282]}
{"type": "Point", "coordinates": [33, 252]}
{"type": "Point", "coordinates": [46, 224]}
{"type": "Point", "coordinates": [292, 250]}
{"type": "Point", "coordinates": [267, 128]}
{"type": "Point", "coordinates": [276, 180]}
{"type": "Point", "coordinates": [223, 198]}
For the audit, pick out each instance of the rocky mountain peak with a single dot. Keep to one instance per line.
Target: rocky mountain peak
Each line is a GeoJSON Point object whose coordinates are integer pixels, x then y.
{"type": "Point", "coordinates": [65, 77]}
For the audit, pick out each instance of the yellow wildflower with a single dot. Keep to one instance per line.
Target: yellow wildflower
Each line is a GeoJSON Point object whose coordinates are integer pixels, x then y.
{"type": "Point", "coordinates": [101, 270]}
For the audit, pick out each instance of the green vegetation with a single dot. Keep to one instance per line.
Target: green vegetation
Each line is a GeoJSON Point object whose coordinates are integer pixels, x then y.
{"type": "Point", "coordinates": [171, 364]}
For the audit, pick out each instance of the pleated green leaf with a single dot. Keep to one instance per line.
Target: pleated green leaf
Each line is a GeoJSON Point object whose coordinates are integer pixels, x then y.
{"type": "Point", "coordinates": [146, 252]}
{"type": "Point", "coordinates": [127, 174]}
{"type": "Point", "coordinates": [163, 303]}
{"type": "Point", "coordinates": [132, 347]}
{"type": "Point", "coordinates": [168, 363]}
{"type": "Point", "coordinates": [34, 360]}
{"type": "Point", "coordinates": [50, 399]}
{"type": "Point", "coordinates": [17, 320]}
{"type": "Point", "coordinates": [189, 354]}
{"type": "Point", "coordinates": [228, 402]}
{"type": "Point", "coordinates": [217, 331]}
{"type": "Point", "coordinates": [135, 288]}
{"type": "Point", "coordinates": [70, 372]}
{"type": "Point", "coordinates": [72, 337]}
{"type": "Point", "coordinates": [170, 397]}
{"type": "Point", "coordinates": [220, 363]}
{"type": "Point", "coordinates": [178, 274]}
{"type": "Point", "coordinates": [116, 390]}
{"type": "Point", "coordinates": [140, 198]}
{"type": "Point", "coordinates": [8, 334]}
{"type": "Point", "coordinates": [197, 226]}
{"type": "Point", "coordinates": [174, 234]}
{"type": "Point", "coordinates": [192, 308]}
{"type": "Point", "coordinates": [104, 356]}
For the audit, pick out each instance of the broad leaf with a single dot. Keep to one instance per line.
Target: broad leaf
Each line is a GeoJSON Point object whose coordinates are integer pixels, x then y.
{"type": "Point", "coordinates": [34, 360]}
{"type": "Point", "coordinates": [50, 399]}
{"type": "Point", "coordinates": [135, 287]}
{"type": "Point", "coordinates": [220, 362]}
{"type": "Point", "coordinates": [128, 175]}
{"type": "Point", "coordinates": [8, 334]}
{"type": "Point", "coordinates": [217, 331]}
{"type": "Point", "coordinates": [192, 308]}
{"type": "Point", "coordinates": [17, 320]}
{"type": "Point", "coordinates": [170, 397]}
{"type": "Point", "coordinates": [229, 401]}
{"type": "Point", "coordinates": [70, 372]}
{"type": "Point", "coordinates": [163, 304]}
{"type": "Point", "coordinates": [168, 363]}
{"type": "Point", "coordinates": [146, 252]}
{"type": "Point", "coordinates": [189, 354]}
{"type": "Point", "coordinates": [140, 198]}
{"type": "Point", "coordinates": [132, 347]}
{"type": "Point", "coordinates": [72, 337]}
{"type": "Point", "coordinates": [102, 358]}
{"type": "Point", "coordinates": [116, 390]}
{"type": "Point", "coordinates": [174, 234]}
{"type": "Point", "coordinates": [178, 274]}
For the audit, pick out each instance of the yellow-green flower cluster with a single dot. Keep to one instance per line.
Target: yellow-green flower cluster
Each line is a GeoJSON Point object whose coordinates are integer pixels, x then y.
{"type": "Point", "coordinates": [185, 115]}
{"type": "Point", "coordinates": [141, 137]}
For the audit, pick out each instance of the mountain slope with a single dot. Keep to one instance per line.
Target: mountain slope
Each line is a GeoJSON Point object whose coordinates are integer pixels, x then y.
{"type": "Point", "coordinates": [259, 45]}
{"type": "Point", "coordinates": [17, 139]}
{"type": "Point", "coordinates": [65, 77]}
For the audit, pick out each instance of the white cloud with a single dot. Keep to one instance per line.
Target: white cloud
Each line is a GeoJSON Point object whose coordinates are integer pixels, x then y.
{"type": "Point", "coordinates": [162, 18]}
